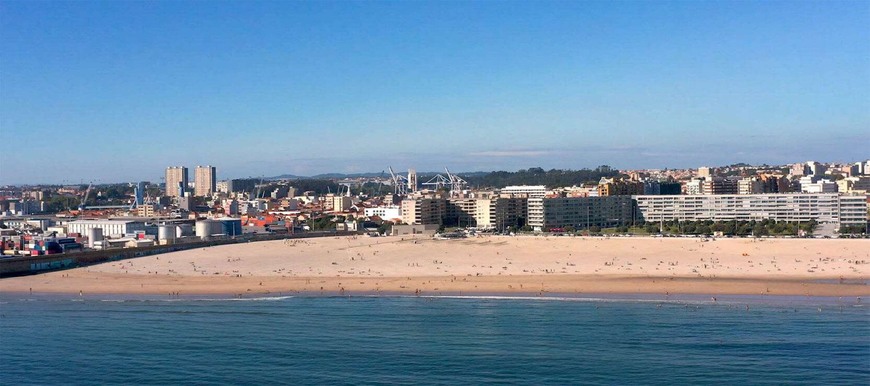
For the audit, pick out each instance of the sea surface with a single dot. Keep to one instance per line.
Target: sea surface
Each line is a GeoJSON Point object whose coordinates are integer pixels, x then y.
{"type": "Point", "coordinates": [433, 340]}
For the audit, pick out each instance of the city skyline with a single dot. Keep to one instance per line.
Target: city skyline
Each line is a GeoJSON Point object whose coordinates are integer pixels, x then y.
{"type": "Point", "coordinates": [124, 89]}
{"type": "Point", "coordinates": [180, 173]}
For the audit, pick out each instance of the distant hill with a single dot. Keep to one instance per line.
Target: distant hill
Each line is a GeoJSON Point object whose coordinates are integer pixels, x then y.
{"type": "Point", "coordinates": [284, 177]}
{"type": "Point", "coordinates": [338, 176]}
{"type": "Point", "coordinates": [496, 179]}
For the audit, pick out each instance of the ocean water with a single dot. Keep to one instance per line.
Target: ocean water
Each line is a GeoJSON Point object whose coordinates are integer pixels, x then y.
{"type": "Point", "coordinates": [410, 340]}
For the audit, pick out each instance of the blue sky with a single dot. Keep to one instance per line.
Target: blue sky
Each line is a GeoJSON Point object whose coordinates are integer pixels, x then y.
{"type": "Point", "coordinates": [117, 91]}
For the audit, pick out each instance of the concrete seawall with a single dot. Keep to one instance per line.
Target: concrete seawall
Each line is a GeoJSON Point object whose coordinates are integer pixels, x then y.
{"type": "Point", "coordinates": [28, 265]}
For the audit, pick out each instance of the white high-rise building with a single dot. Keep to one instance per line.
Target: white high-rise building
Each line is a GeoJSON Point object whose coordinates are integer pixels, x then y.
{"type": "Point", "coordinates": [814, 168]}
{"type": "Point", "coordinates": [529, 191]}
{"type": "Point", "coordinates": [817, 185]}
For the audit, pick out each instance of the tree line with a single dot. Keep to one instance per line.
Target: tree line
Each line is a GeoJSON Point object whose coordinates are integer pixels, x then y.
{"type": "Point", "coordinates": [537, 176]}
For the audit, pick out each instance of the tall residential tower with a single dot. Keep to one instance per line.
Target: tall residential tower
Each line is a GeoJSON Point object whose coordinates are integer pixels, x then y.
{"type": "Point", "coordinates": [176, 181]}
{"type": "Point", "coordinates": [206, 181]}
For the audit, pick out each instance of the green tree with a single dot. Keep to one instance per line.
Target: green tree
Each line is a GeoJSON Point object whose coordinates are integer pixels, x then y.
{"type": "Point", "coordinates": [385, 227]}
{"type": "Point", "coordinates": [759, 230]}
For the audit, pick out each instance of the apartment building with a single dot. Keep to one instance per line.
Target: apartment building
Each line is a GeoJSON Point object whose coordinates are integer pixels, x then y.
{"type": "Point", "coordinates": [750, 186]}
{"type": "Point", "coordinates": [205, 181]}
{"type": "Point", "coordinates": [710, 185]}
{"type": "Point", "coordinates": [860, 185]}
{"type": "Point", "coordinates": [176, 181]}
{"type": "Point", "coordinates": [341, 203]}
{"type": "Point", "coordinates": [717, 185]}
{"type": "Point", "coordinates": [385, 212]}
{"type": "Point", "coordinates": [460, 212]}
{"type": "Point", "coordinates": [525, 190]}
{"type": "Point", "coordinates": [423, 210]}
{"type": "Point", "coordinates": [500, 212]}
{"type": "Point", "coordinates": [773, 183]}
{"type": "Point", "coordinates": [617, 187]}
{"type": "Point", "coordinates": [580, 212]}
{"type": "Point", "coordinates": [853, 210]}
{"type": "Point", "coordinates": [792, 207]}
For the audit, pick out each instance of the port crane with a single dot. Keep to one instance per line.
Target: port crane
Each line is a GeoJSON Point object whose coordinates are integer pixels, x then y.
{"type": "Point", "coordinates": [400, 183]}
{"type": "Point", "coordinates": [452, 182]}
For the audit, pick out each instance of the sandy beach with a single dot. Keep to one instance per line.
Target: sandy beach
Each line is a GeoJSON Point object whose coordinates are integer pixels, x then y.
{"type": "Point", "coordinates": [492, 265]}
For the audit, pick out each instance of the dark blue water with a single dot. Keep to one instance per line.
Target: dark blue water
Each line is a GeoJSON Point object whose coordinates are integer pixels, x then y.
{"type": "Point", "coordinates": [401, 340]}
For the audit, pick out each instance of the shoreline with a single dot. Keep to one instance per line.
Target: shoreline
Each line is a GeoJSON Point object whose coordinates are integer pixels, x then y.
{"type": "Point", "coordinates": [650, 298]}
{"type": "Point", "coordinates": [529, 285]}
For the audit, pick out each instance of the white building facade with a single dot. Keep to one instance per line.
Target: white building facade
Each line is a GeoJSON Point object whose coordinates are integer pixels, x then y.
{"type": "Point", "coordinates": [530, 191]}
{"type": "Point", "coordinates": [109, 227]}
{"type": "Point", "coordinates": [385, 212]}
{"type": "Point", "coordinates": [797, 207]}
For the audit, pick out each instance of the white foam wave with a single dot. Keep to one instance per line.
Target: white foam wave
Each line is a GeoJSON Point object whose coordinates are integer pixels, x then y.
{"type": "Point", "coordinates": [562, 299]}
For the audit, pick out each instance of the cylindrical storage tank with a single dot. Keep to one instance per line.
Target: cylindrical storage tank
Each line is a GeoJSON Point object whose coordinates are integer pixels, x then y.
{"type": "Point", "coordinates": [166, 232]}
{"type": "Point", "coordinates": [94, 235]}
{"type": "Point", "coordinates": [216, 228]}
{"type": "Point", "coordinates": [231, 226]}
{"type": "Point", "coordinates": [184, 230]}
{"type": "Point", "coordinates": [206, 228]}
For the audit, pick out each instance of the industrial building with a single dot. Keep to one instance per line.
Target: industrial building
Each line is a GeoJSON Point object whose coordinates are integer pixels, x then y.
{"type": "Point", "coordinates": [109, 227]}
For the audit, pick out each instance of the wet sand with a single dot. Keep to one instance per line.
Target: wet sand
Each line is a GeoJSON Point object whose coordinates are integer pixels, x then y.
{"type": "Point", "coordinates": [506, 265]}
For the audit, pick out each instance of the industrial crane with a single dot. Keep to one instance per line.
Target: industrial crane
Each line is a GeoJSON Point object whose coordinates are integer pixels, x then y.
{"type": "Point", "coordinates": [453, 182]}
{"type": "Point", "coordinates": [400, 183]}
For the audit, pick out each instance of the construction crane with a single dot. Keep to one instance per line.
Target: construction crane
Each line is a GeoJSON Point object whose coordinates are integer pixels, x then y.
{"type": "Point", "coordinates": [381, 181]}
{"type": "Point", "coordinates": [85, 197]}
{"type": "Point", "coordinates": [135, 189]}
{"type": "Point", "coordinates": [259, 186]}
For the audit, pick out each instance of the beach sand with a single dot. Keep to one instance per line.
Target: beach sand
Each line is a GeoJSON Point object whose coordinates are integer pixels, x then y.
{"type": "Point", "coordinates": [485, 265]}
